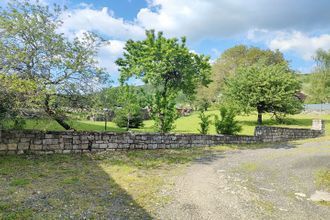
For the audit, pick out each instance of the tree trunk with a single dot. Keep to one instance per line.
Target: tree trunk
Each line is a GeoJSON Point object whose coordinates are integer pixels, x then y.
{"type": "Point", "coordinates": [56, 117]}
{"type": "Point", "coordinates": [259, 115]}
{"type": "Point", "coordinates": [128, 124]}
{"type": "Point", "coordinates": [259, 118]}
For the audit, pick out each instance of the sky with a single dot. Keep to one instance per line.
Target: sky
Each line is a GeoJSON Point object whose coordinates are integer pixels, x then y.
{"type": "Point", "coordinates": [295, 27]}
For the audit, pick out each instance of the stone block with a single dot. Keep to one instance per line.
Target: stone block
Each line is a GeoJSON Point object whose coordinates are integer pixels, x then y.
{"type": "Point", "coordinates": [112, 145]}
{"type": "Point", "coordinates": [50, 141]}
{"type": "Point", "coordinates": [3, 147]}
{"type": "Point", "coordinates": [12, 146]}
{"type": "Point", "coordinates": [51, 147]}
{"type": "Point", "coordinates": [23, 146]}
{"type": "Point", "coordinates": [34, 147]}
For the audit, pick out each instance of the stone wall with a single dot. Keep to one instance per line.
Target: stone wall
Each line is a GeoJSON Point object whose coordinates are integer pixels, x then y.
{"type": "Point", "coordinates": [276, 134]}
{"type": "Point", "coordinates": [37, 142]}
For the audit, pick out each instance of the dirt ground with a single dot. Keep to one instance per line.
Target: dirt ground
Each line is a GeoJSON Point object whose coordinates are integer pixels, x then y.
{"type": "Point", "coordinates": [276, 182]}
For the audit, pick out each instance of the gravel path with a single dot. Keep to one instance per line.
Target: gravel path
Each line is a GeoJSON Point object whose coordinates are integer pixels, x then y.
{"type": "Point", "coordinates": [268, 183]}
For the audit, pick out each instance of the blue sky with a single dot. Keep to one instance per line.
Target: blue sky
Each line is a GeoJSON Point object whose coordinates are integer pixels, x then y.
{"type": "Point", "coordinates": [296, 27]}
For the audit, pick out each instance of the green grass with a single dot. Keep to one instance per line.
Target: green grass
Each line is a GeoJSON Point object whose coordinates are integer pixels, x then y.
{"type": "Point", "coordinates": [19, 182]}
{"type": "Point", "coordinates": [322, 179]}
{"type": "Point", "coordinates": [189, 124]}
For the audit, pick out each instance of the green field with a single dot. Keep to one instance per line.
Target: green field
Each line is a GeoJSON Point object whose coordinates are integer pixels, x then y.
{"type": "Point", "coordinates": [189, 124]}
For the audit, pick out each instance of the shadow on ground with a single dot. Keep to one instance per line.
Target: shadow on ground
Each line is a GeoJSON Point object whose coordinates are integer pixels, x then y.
{"type": "Point", "coordinates": [62, 187]}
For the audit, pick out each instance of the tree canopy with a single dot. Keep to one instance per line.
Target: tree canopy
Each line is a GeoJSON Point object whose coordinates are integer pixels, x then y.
{"type": "Point", "coordinates": [32, 49]}
{"type": "Point", "coordinates": [230, 61]}
{"type": "Point", "coordinates": [319, 88]}
{"type": "Point", "coordinates": [264, 89]}
{"type": "Point", "coordinates": [169, 67]}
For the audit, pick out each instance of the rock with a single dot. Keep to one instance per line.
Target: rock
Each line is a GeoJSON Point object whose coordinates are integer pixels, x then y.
{"type": "Point", "coordinates": [320, 196]}
{"type": "Point", "coordinates": [300, 194]}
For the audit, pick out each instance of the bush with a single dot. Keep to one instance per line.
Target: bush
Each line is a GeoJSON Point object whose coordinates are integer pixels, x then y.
{"type": "Point", "coordinates": [227, 124]}
{"type": "Point", "coordinates": [205, 122]}
{"type": "Point", "coordinates": [135, 121]}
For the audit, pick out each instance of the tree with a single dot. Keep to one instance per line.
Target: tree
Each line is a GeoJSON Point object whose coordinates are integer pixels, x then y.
{"type": "Point", "coordinates": [265, 89]}
{"type": "Point", "coordinates": [230, 61]}
{"type": "Point", "coordinates": [319, 90]}
{"type": "Point", "coordinates": [129, 115]}
{"type": "Point", "coordinates": [169, 67]}
{"type": "Point", "coordinates": [32, 48]}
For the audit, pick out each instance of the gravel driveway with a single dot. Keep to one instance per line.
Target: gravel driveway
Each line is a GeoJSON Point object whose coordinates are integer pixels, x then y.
{"type": "Point", "coordinates": [270, 183]}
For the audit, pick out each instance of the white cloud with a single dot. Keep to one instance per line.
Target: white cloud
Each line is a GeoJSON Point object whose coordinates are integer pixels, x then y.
{"type": "Point", "coordinates": [108, 54]}
{"type": "Point", "coordinates": [302, 44]}
{"type": "Point", "coordinates": [100, 21]}
{"type": "Point", "coordinates": [226, 18]}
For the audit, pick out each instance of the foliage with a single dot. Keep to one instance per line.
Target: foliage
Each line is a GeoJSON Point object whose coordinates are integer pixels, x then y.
{"type": "Point", "coordinates": [262, 88]}
{"type": "Point", "coordinates": [15, 96]}
{"type": "Point", "coordinates": [163, 111]}
{"type": "Point", "coordinates": [169, 67]}
{"type": "Point", "coordinates": [123, 121]}
{"type": "Point", "coordinates": [205, 122]}
{"type": "Point", "coordinates": [129, 113]}
{"type": "Point", "coordinates": [227, 123]}
{"type": "Point", "coordinates": [319, 90]}
{"type": "Point", "coordinates": [32, 48]}
{"type": "Point", "coordinates": [230, 61]}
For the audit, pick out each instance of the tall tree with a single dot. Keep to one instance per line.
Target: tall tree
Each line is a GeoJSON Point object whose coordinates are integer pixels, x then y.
{"type": "Point", "coordinates": [32, 48]}
{"type": "Point", "coordinates": [264, 89]}
{"type": "Point", "coordinates": [230, 61]}
{"type": "Point", "coordinates": [169, 67]}
{"type": "Point", "coordinates": [319, 90]}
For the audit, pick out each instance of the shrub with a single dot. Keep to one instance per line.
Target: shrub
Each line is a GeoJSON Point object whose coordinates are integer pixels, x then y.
{"type": "Point", "coordinates": [135, 121]}
{"type": "Point", "coordinates": [227, 124]}
{"type": "Point", "coordinates": [205, 122]}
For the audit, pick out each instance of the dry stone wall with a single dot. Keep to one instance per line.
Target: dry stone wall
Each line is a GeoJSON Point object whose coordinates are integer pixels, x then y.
{"type": "Point", "coordinates": [37, 142]}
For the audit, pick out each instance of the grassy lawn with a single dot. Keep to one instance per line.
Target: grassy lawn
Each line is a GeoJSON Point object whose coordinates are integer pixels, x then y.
{"type": "Point", "coordinates": [108, 185]}
{"type": "Point", "coordinates": [189, 124]}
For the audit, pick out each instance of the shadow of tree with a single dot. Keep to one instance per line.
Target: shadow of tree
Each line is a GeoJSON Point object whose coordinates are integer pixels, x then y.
{"type": "Point", "coordinates": [62, 187]}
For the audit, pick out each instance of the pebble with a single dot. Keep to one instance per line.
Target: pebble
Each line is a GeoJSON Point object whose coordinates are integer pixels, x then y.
{"type": "Point", "coordinates": [300, 194]}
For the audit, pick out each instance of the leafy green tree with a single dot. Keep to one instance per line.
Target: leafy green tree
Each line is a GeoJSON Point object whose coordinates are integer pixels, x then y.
{"type": "Point", "coordinates": [129, 115]}
{"type": "Point", "coordinates": [32, 48]}
{"type": "Point", "coordinates": [230, 61]}
{"type": "Point", "coordinates": [319, 88]}
{"type": "Point", "coordinates": [16, 95]}
{"type": "Point", "coordinates": [265, 89]}
{"type": "Point", "coordinates": [227, 123]}
{"type": "Point", "coordinates": [205, 122]}
{"type": "Point", "coordinates": [169, 67]}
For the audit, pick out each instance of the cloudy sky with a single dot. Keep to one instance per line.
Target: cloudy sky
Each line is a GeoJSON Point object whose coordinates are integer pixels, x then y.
{"type": "Point", "coordinates": [295, 27]}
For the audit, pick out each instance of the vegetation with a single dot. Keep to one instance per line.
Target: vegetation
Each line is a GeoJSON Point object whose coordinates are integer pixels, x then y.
{"type": "Point", "coordinates": [227, 123]}
{"type": "Point", "coordinates": [32, 49]}
{"type": "Point", "coordinates": [15, 95]}
{"type": "Point", "coordinates": [129, 113]}
{"type": "Point", "coordinates": [205, 122]}
{"type": "Point", "coordinates": [169, 67]}
{"type": "Point", "coordinates": [230, 62]}
{"type": "Point", "coordinates": [260, 88]}
{"type": "Point", "coordinates": [319, 90]}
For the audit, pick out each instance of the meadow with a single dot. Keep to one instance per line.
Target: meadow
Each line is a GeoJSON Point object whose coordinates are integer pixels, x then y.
{"type": "Point", "coordinates": [187, 124]}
